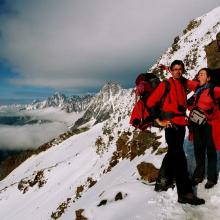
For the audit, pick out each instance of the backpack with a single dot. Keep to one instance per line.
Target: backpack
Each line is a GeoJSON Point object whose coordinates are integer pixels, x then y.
{"type": "Point", "coordinates": [215, 81]}
{"type": "Point", "coordinates": [142, 117]}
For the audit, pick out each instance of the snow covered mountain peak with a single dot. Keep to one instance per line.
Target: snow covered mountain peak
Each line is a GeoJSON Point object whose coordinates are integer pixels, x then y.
{"type": "Point", "coordinates": [101, 106]}
{"type": "Point", "coordinates": [56, 100]}
{"type": "Point", "coordinates": [111, 88]}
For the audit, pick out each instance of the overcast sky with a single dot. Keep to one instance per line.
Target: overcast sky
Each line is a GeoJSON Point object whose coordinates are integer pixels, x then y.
{"type": "Point", "coordinates": [75, 46]}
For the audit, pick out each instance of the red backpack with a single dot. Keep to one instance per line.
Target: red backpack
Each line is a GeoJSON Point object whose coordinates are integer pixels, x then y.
{"type": "Point", "coordinates": [142, 117]}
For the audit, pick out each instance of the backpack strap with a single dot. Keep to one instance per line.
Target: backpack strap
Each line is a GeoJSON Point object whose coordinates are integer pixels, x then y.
{"type": "Point", "coordinates": [154, 112]}
{"type": "Point", "coordinates": [212, 94]}
{"type": "Point", "coordinates": [166, 92]}
{"type": "Point", "coordinates": [169, 115]}
{"type": "Point", "coordinates": [167, 88]}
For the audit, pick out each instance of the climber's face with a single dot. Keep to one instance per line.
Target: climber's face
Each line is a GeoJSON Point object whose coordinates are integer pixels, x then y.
{"type": "Point", "coordinates": [203, 77]}
{"type": "Point", "coordinates": [177, 71]}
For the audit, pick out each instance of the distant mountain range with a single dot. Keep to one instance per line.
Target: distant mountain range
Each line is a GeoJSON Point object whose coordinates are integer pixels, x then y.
{"type": "Point", "coordinates": [59, 100]}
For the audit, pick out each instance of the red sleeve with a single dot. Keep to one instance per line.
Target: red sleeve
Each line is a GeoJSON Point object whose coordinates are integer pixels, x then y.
{"type": "Point", "coordinates": [156, 96]}
{"type": "Point", "coordinates": [217, 92]}
{"type": "Point", "coordinates": [191, 84]}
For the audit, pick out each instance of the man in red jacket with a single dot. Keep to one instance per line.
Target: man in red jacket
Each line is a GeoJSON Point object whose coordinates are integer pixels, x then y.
{"type": "Point", "coordinates": [173, 118]}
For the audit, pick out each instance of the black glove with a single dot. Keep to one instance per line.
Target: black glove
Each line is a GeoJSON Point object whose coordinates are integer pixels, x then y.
{"type": "Point", "coordinates": [136, 122]}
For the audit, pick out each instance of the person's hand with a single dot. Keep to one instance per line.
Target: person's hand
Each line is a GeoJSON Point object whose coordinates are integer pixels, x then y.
{"type": "Point", "coordinates": [164, 123]}
{"type": "Point", "coordinates": [140, 89]}
{"type": "Point", "coordinates": [136, 122]}
{"type": "Point", "coordinates": [164, 67]}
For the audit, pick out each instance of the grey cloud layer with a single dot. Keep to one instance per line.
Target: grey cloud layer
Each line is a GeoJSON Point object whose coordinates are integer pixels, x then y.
{"type": "Point", "coordinates": [32, 136]}
{"type": "Point", "coordinates": [29, 136]}
{"type": "Point", "coordinates": [82, 43]}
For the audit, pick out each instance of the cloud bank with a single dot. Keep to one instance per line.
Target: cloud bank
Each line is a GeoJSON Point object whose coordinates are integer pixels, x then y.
{"type": "Point", "coordinates": [33, 135]}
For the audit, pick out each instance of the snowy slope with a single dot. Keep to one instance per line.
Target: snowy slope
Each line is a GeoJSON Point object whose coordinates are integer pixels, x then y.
{"type": "Point", "coordinates": [81, 172]}
{"type": "Point", "coordinates": [190, 45]}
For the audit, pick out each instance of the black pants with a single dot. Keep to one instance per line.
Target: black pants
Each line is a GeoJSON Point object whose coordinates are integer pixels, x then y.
{"type": "Point", "coordinates": [203, 144]}
{"type": "Point", "coordinates": [174, 164]}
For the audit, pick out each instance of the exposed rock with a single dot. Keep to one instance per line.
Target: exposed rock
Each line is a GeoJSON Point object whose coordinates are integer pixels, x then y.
{"type": "Point", "coordinates": [192, 25]}
{"type": "Point", "coordinates": [129, 149]}
{"type": "Point", "coordinates": [161, 150]}
{"type": "Point", "coordinates": [24, 184]}
{"type": "Point", "coordinates": [79, 215]}
{"type": "Point", "coordinates": [213, 55]}
{"type": "Point", "coordinates": [79, 189]}
{"type": "Point", "coordinates": [78, 193]}
{"type": "Point", "coordinates": [137, 145]}
{"type": "Point", "coordinates": [148, 171]}
{"type": "Point", "coordinates": [118, 196]}
{"type": "Point", "coordinates": [175, 46]}
{"type": "Point", "coordinates": [91, 182]}
{"type": "Point", "coordinates": [60, 209]}
{"type": "Point", "coordinates": [100, 145]}
{"type": "Point", "coordinates": [103, 202]}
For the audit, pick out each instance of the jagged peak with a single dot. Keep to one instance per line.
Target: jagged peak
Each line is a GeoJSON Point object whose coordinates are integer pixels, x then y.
{"type": "Point", "coordinates": [58, 94]}
{"type": "Point", "coordinates": [111, 87]}
{"type": "Point", "coordinates": [35, 101]}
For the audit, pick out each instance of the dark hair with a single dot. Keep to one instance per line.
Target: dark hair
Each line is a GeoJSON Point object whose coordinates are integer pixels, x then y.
{"type": "Point", "coordinates": [208, 72]}
{"type": "Point", "coordinates": [177, 62]}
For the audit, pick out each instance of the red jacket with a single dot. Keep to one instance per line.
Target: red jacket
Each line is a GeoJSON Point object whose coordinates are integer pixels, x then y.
{"type": "Point", "coordinates": [206, 103]}
{"type": "Point", "coordinates": [176, 97]}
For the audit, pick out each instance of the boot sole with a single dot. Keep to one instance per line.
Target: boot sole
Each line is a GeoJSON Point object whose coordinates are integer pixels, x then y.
{"type": "Point", "coordinates": [191, 203]}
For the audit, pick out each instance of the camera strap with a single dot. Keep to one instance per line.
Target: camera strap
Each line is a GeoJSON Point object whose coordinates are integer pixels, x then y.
{"type": "Point", "coordinates": [198, 92]}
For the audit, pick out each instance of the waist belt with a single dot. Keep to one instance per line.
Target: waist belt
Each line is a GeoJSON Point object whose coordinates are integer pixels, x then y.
{"type": "Point", "coordinates": [170, 115]}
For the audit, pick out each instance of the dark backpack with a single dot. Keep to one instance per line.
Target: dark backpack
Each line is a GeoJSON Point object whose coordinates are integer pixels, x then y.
{"type": "Point", "coordinates": [142, 117]}
{"type": "Point", "coordinates": [215, 81]}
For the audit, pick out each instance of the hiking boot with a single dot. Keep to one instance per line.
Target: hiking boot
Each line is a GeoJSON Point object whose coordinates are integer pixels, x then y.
{"type": "Point", "coordinates": [209, 184]}
{"type": "Point", "coordinates": [162, 184]}
{"type": "Point", "coordinates": [195, 181]}
{"type": "Point", "coordinates": [191, 199]}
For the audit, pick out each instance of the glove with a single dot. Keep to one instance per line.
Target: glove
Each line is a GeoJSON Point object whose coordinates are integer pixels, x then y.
{"type": "Point", "coordinates": [136, 122]}
{"type": "Point", "coordinates": [164, 67]}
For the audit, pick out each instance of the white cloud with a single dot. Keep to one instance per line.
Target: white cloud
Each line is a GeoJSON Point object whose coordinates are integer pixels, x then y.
{"type": "Point", "coordinates": [29, 136]}
{"type": "Point", "coordinates": [53, 114]}
{"type": "Point", "coordinates": [32, 136]}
